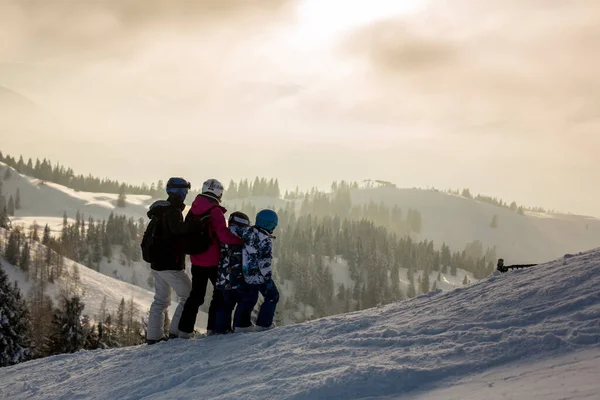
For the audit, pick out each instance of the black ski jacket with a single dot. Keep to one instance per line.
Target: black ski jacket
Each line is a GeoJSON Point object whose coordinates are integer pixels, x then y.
{"type": "Point", "coordinates": [174, 231]}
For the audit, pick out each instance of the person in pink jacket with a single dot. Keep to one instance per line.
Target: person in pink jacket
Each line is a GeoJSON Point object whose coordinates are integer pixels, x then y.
{"type": "Point", "coordinates": [205, 265]}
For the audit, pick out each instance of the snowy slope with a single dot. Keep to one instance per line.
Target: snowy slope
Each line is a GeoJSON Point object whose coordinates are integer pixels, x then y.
{"type": "Point", "coordinates": [95, 286]}
{"type": "Point", "coordinates": [527, 334]}
{"type": "Point", "coordinates": [45, 202]}
{"type": "Point", "coordinates": [529, 238]}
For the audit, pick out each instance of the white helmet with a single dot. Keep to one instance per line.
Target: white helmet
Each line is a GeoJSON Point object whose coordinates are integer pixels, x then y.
{"type": "Point", "coordinates": [213, 188]}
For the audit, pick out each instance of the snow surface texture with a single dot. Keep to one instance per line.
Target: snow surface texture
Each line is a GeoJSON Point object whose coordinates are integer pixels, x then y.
{"type": "Point", "coordinates": [527, 334]}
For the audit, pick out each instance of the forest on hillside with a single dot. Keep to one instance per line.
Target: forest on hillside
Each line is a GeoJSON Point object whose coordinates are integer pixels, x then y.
{"type": "Point", "coordinates": [373, 239]}
{"type": "Point", "coordinates": [45, 170]}
{"type": "Point", "coordinates": [40, 324]}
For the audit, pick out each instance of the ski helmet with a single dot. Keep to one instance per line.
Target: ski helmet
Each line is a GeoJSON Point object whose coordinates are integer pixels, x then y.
{"type": "Point", "coordinates": [213, 188]}
{"type": "Point", "coordinates": [239, 218]}
{"type": "Point", "coordinates": [267, 220]}
{"type": "Point", "coordinates": [178, 187]}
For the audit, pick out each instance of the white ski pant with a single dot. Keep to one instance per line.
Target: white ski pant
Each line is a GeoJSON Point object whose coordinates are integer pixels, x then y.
{"type": "Point", "coordinates": [163, 282]}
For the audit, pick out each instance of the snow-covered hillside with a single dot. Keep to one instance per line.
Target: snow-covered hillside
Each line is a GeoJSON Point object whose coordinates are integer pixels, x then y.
{"type": "Point", "coordinates": [456, 220]}
{"type": "Point", "coordinates": [95, 287]}
{"type": "Point", "coordinates": [527, 334]}
{"type": "Point", "coordinates": [46, 202]}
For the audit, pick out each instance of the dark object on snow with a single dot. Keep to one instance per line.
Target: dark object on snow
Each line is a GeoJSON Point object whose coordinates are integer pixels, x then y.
{"type": "Point", "coordinates": [504, 268]}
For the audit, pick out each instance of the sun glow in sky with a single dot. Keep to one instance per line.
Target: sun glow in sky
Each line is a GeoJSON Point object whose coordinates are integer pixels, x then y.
{"type": "Point", "coordinates": [321, 21]}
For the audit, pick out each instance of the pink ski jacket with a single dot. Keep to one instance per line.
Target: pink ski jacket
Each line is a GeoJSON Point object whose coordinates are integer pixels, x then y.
{"type": "Point", "coordinates": [219, 231]}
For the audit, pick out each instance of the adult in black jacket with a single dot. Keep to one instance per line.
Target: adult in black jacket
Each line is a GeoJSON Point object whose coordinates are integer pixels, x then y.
{"type": "Point", "coordinates": [168, 263]}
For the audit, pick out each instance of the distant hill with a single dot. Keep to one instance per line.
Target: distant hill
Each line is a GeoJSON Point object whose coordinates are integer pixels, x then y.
{"type": "Point", "coordinates": [13, 101]}
{"type": "Point", "coordinates": [46, 202]}
{"type": "Point", "coordinates": [456, 220]}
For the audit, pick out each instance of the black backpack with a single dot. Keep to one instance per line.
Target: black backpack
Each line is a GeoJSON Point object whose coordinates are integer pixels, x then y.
{"type": "Point", "coordinates": [200, 238]}
{"type": "Point", "coordinates": [152, 239]}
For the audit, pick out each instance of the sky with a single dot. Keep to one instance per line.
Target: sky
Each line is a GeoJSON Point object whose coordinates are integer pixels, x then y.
{"type": "Point", "coordinates": [497, 96]}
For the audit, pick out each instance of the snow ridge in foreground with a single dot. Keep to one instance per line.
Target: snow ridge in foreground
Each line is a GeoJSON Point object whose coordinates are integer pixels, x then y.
{"type": "Point", "coordinates": [410, 348]}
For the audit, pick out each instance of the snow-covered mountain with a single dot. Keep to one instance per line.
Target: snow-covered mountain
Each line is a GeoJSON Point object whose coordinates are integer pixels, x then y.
{"type": "Point", "coordinates": [527, 334]}
{"type": "Point", "coordinates": [46, 202]}
{"type": "Point", "coordinates": [448, 218]}
{"type": "Point", "coordinates": [531, 238]}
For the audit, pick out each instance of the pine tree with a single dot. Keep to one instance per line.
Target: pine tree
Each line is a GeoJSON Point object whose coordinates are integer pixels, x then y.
{"type": "Point", "coordinates": [46, 237]}
{"type": "Point", "coordinates": [131, 325]}
{"type": "Point", "coordinates": [7, 174]}
{"type": "Point", "coordinates": [256, 190]}
{"type": "Point", "coordinates": [276, 189]}
{"type": "Point", "coordinates": [494, 223]}
{"type": "Point", "coordinates": [232, 190]}
{"type": "Point", "coordinates": [15, 324]}
{"type": "Point", "coordinates": [120, 319]}
{"type": "Point", "coordinates": [20, 165]}
{"type": "Point", "coordinates": [356, 296]}
{"type": "Point", "coordinates": [25, 259]}
{"type": "Point", "coordinates": [103, 309]}
{"type": "Point", "coordinates": [72, 286]}
{"type": "Point", "coordinates": [18, 200]}
{"type": "Point", "coordinates": [41, 308]}
{"type": "Point", "coordinates": [97, 248]}
{"type": "Point", "coordinates": [4, 220]}
{"type": "Point", "coordinates": [11, 207]}
{"type": "Point", "coordinates": [412, 291]}
{"type": "Point", "coordinates": [12, 248]}
{"type": "Point", "coordinates": [425, 282]}
{"type": "Point", "coordinates": [466, 280]}
{"type": "Point", "coordinates": [127, 248]}
{"type": "Point", "coordinates": [122, 197]}
{"type": "Point", "coordinates": [67, 335]}
{"type": "Point", "coordinates": [34, 232]}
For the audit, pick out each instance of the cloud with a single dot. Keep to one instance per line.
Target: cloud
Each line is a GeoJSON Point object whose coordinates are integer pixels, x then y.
{"type": "Point", "coordinates": [33, 30]}
{"type": "Point", "coordinates": [394, 47]}
{"type": "Point", "coordinates": [516, 67]}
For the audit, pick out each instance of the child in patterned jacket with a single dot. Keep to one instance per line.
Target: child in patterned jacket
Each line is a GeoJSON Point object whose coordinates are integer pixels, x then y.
{"type": "Point", "coordinates": [257, 257]}
{"type": "Point", "coordinates": [230, 277]}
